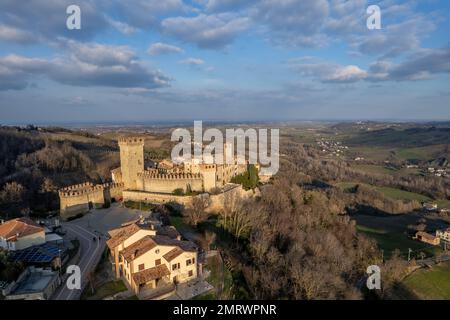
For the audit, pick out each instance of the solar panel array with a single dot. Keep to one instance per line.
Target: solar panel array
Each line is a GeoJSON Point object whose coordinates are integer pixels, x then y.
{"type": "Point", "coordinates": [44, 253]}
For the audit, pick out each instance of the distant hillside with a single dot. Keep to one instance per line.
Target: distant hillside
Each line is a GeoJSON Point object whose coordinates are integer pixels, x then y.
{"type": "Point", "coordinates": [35, 162]}
{"type": "Point", "coordinates": [410, 137]}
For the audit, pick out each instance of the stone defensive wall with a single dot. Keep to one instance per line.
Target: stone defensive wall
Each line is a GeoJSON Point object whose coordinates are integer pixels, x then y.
{"type": "Point", "coordinates": [169, 176]}
{"type": "Point", "coordinates": [80, 186]}
{"type": "Point", "coordinates": [166, 183]}
{"type": "Point", "coordinates": [87, 188]}
{"type": "Point", "coordinates": [78, 199]}
{"type": "Point", "coordinates": [115, 190]}
{"type": "Point", "coordinates": [157, 198]}
{"type": "Point", "coordinates": [218, 201]}
{"type": "Point", "coordinates": [215, 202]}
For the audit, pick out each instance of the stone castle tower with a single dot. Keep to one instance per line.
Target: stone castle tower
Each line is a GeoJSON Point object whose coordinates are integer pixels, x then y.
{"type": "Point", "coordinates": [131, 160]}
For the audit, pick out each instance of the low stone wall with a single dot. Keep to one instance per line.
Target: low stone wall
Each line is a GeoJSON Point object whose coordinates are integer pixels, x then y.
{"type": "Point", "coordinates": [216, 202]}
{"type": "Point", "coordinates": [74, 210]}
{"type": "Point", "coordinates": [159, 198]}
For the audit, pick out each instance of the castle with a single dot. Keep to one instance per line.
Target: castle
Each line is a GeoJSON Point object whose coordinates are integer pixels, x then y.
{"type": "Point", "coordinates": [160, 183]}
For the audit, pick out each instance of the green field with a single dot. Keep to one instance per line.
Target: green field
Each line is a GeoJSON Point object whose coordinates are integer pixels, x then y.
{"type": "Point", "coordinates": [393, 193]}
{"type": "Point", "coordinates": [431, 283]}
{"type": "Point", "coordinates": [379, 153]}
{"type": "Point", "coordinates": [372, 153]}
{"type": "Point", "coordinates": [389, 241]}
{"type": "Point", "coordinates": [399, 194]}
{"type": "Point", "coordinates": [374, 169]}
{"type": "Point", "coordinates": [443, 204]}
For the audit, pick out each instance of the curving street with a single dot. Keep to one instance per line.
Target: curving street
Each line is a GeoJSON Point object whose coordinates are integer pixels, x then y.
{"type": "Point", "coordinates": [89, 256]}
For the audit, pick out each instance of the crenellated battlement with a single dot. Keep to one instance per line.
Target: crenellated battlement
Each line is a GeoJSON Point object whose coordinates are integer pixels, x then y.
{"type": "Point", "coordinates": [80, 192]}
{"type": "Point", "coordinates": [131, 140]}
{"type": "Point", "coordinates": [113, 185]}
{"type": "Point", "coordinates": [78, 186]}
{"type": "Point", "coordinates": [169, 176]}
{"type": "Point", "coordinates": [86, 189]}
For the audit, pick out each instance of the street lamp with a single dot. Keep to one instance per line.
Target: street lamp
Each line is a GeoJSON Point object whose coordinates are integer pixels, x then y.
{"type": "Point", "coordinates": [60, 262]}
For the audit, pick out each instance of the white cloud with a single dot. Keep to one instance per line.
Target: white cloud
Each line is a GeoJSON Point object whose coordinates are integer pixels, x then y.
{"type": "Point", "coordinates": [144, 14]}
{"type": "Point", "coordinates": [9, 33]}
{"type": "Point", "coordinates": [159, 48]}
{"type": "Point", "coordinates": [192, 61]}
{"type": "Point", "coordinates": [349, 73]}
{"type": "Point", "coordinates": [88, 64]}
{"type": "Point", "coordinates": [122, 27]}
{"type": "Point", "coordinates": [326, 71]}
{"type": "Point", "coordinates": [206, 31]}
{"type": "Point", "coordinates": [227, 5]}
{"type": "Point", "coordinates": [293, 22]}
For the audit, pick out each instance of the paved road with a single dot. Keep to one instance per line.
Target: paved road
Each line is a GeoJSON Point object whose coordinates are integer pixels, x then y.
{"type": "Point", "coordinates": [89, 256]}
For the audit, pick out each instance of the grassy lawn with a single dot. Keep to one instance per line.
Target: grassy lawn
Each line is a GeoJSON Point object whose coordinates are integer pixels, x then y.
{"type": "Point", "coordinates": [394, 193]}
{"type": "Point", "coordinates": [105, 290]}
{"type": "Point", "coordinates": [431, 283]}
{"type": "Point", "coordinates": [379, 153]}
{"type": "Point", "coordinates": [374, 169]}
{"type": "Point", "coordinates": [372, 153]}
{"type": "Point", "coordinates": [443, 204]}
{"type": "Point", "coordinates": [422, 153]}
{"type": "Point", "coordinates": [177, 222]}
{"type": "Point", "coordinates": [399, 194]}
{"type": "Point", "coordinates": [389, 241]}
{"type": "Point", "coordinates": [139, 205]}
{"type": "Point", "coordinates": [215, 279]}
{"type": "Point", "coordinates": [346, 185]}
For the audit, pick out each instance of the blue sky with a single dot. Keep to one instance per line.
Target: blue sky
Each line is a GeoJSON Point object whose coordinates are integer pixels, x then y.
{"type": "Point", "coordinates": [150, 60]}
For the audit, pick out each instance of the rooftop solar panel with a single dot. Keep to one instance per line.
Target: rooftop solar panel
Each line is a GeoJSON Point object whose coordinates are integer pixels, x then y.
{"type": "Point", "coordinates": [44, 253]}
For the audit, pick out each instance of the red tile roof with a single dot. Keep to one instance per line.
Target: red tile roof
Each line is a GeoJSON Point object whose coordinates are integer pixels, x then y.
{"type": "Point", "coordinates": [121, 234]}
{"type": "Point", "coordinates": [172, 254]}
{"type": "Point", "coordinates": [166, 241]}
{"type": "Point", "coordinates": [18, 228]}
{"type": "Point", "coordinates": [138, 248]}
{"type": "Point", "coordinates": [147, 275]}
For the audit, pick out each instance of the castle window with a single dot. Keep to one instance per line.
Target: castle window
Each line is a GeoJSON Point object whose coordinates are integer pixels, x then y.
{"type": "Point", "coordinates": [141, 267]}
{"type": "Point", "coordinates": [190, 273]}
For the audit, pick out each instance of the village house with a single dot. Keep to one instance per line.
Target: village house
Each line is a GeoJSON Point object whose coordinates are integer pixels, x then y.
{"type": "Point", "coordinates": [429, 207]}
{"type": "Point", "coordinates": [443, 234]}
{"type": "Point", "coordinates": [149, 257]}
{"type": "Point", "coordinates": [20, 233]}
{"type": "Point", "coordinates": [33, 284]}
{"type": "Point", "coordinates": [427, 238]}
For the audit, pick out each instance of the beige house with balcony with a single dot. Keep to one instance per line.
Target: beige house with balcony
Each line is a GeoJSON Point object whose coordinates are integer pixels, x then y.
{"type": "Point", "coordinates": [148, 257]}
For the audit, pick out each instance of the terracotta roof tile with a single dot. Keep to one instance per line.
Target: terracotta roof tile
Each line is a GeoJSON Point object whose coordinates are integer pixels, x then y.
{"type": "Point", "coordinates": [172, 254]}
{"type": "Point", "coordinates": [426, 236]}
{"type": "Point", "coordinates": [166, 241]}
{"type": "Point", "coordinates": [121, 234]}
{"type": "Point", "coordinates": [169, 231]}
{"type": "Point", "coordinates": [154, 273]}
{"type": "Point", "coordinates": [138, 248]}
{"type": "Point", "coordinates": [20, 227]}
